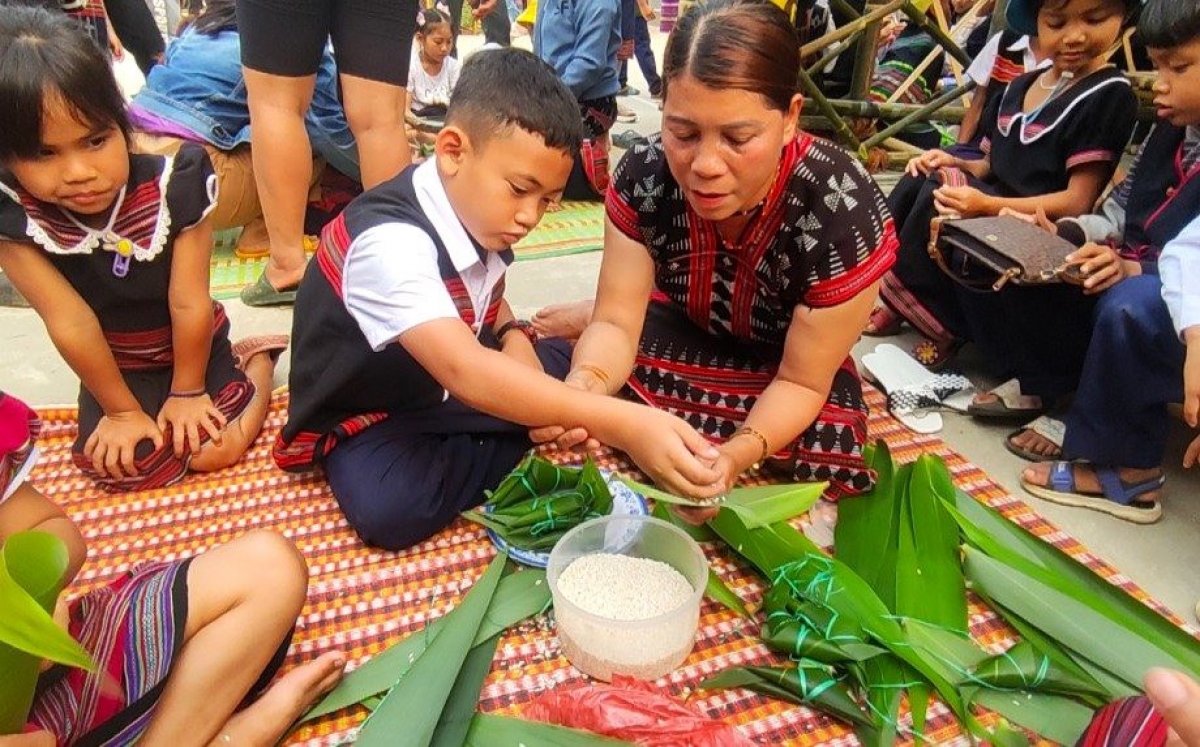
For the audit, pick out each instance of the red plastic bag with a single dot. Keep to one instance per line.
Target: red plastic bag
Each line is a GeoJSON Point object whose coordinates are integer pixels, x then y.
{"type": "Point", "coordinates": [635, 711]}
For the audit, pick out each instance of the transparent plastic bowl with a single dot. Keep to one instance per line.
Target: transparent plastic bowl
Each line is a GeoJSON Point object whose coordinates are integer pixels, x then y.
{"type": "Point", "coordinates": [646, 649]}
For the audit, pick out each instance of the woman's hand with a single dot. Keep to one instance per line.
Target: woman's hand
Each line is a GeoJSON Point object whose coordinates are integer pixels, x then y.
{"type": "Point", "coordinates": [41, 738]}
{"type": "Point", "coordinates": [186, 416]}
{"type": "Point", "coordinates": [728, 472]}
{"type": "Point", "coordinates": [112, 447]}
{"type": "Point", "coordinates": [1101, 267]}
{"type": "Point", "coordinates": [929, 161]}
{"type": "Point", "coordinates": [961, 202]}
{"type": "Point", "coordinates": [672, 454]}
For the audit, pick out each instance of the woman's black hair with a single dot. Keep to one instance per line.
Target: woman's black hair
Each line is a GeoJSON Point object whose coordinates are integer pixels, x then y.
{"type": "Point", "coordinates": [429, 19]}
{"type": "Point", "coordinates": [46, 53]}
{"type": "Point", "coordinates": [217, 16]}
{"type": "Point", "coordinates": [1169, 23]}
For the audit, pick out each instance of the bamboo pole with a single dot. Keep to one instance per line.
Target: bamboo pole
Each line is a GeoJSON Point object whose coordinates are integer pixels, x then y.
{"type": "Point", "coordinates": [924, 111]}
{"type": "Point", "coordinates": [941, 37]}
{"type": "Point", "coordinates": [840, 128]}
{"type": "Point", "coordinates": [864, 63]}
{"type": "Point", "coordinates": [967, 18]}
{"type": "Point", "coordinates": [832, 55]}
{"type": "Point", "coordinates": [853, 28]}
{"type": "Point", "coordinates": [889, 112]}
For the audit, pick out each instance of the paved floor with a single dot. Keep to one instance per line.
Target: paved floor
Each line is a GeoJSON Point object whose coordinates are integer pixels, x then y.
{"type": "Point", "coordinates": [1163, 558]}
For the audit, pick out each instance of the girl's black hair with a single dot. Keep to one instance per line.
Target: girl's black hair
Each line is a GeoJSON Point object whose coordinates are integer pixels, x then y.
{"type": "Point", "coordinates": [1132, 9]}
{"type": "Point", "coordinates": [429, 19]}
{"type": "Point", "coordinates": [1169, 23]}
{"type": "Point", "coordinates": [45, 53]}
{"type": "Point", "coordinates": [217, 16]}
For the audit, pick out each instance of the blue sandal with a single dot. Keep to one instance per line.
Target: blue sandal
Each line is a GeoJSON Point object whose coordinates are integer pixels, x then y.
{"type": "Point", "coordinates": [1117, 499]}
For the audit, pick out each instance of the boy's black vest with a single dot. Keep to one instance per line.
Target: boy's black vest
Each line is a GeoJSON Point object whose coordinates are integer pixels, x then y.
{"type": "Point", "coordinates": [339, 386]}
{"type": "Point", "coordinates": [1162, 199]}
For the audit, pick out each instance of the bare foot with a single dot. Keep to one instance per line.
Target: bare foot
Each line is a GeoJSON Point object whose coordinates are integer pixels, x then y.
{"type": "Point", "coordinates": [266, 720]}
{"type": "Point", "coordinates": [1035, 443]}
{"type": "Point", "coordinates": [565, 320]}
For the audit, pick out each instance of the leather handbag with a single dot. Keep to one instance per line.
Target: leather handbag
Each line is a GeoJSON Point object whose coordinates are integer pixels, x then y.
{"type": "Point", "coordinates": [989, 253]}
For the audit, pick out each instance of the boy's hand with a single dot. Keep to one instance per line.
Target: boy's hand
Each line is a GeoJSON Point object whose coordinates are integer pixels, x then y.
{"type": "Point", "coordinates": [929, 161]}
{"type": "Point", "coordinates": [112, 447]}
{"type": "Point", "coordinates": [1101, 267]}
{"type": "Point", "coordinates": [186, 416]}
{"type": "Point", "coordinates": [482, 8]}
{"type": "Point", "coordinates": [962, 202]}
{"type": "Point", "coordinates": [569, 438]}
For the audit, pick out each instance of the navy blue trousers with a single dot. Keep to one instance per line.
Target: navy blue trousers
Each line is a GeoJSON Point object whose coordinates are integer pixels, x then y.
{"type": "Point", "coordinates": [404, 479]}
{"type": "Point", "coordinates": [1133, 370]}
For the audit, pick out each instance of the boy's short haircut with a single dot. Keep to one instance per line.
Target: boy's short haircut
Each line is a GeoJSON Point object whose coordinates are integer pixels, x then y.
{"type": "Point", "coordinates": [1169, 23]}
{"type": "Point", "coordinates": [503, 88]}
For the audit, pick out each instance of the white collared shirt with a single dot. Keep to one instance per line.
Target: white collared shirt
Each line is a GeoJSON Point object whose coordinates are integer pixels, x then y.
{"type": "Point", "coordinates": [1179, 269]}
{"type": "Point", "coordinates": [391, 282]}
{"type": "Point", "coordinates": [980, 69]}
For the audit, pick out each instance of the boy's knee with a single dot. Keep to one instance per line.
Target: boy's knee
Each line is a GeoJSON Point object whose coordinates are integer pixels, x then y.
{"type": "Point", "coordinates": [1129, 305]}
{"type": "Point", "coordinates": [390, 520]}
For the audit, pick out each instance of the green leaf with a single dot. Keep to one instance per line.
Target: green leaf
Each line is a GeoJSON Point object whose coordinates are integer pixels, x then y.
{"type": "Point", "coordinates": [1004, 735]}
{"type": "Point", "coordinates": [532, 477]}
{"type": "Point", "coordinates": [1051, 716]}
{"type": "Point", "coordinates": [698, 532]}
{"type": "Point", "coordinates": [519, 595]}
{"type": "Point", "coordinates": [455, 722]}
{"type": "Point", "coordinates": [33, 568]}
{"type": "Point", "coordinates": [1072, 620]}
{"type": "Point", "coordinates": [1012, 544]}
{"type": "Point", "coordinates": [717, 591]}
{"type": "Point", "coordinates": [409, 713]}
{"type": "Point", "coordinates": [757, 507]}
{"type": "Point", "coordinates": [866, 522]}
{"type": "Point", "coordinates": [767, 548]}
{"type": "Point", "coordinates": [804, 684]}
{"type": "Point", "coordinates": [929, 577]}
{"type": "Point", "coordinates": [488, 730]}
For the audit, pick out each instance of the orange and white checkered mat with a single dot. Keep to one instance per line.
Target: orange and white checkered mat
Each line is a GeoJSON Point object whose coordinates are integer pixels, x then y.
{"type": "Point", "coordinates": [362, 600]}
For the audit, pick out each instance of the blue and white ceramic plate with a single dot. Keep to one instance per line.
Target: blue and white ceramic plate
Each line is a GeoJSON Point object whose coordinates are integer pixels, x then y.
{"type": "Point", "coordinates": [626, 502]}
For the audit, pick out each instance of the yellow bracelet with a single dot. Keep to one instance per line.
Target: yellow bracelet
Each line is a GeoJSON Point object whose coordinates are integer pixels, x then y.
{"type": "Point", "coordinates": [746, 430]}
{"type": "Point", "coordinates": [596, 371]}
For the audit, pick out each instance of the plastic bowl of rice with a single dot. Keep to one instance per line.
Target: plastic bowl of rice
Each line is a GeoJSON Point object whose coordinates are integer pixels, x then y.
{"type": "Point", "coordinates": [627, 592]}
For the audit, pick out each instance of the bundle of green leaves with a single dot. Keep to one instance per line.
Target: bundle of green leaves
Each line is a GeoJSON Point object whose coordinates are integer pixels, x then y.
{"type": "Point", "coordinates": [539, 502]}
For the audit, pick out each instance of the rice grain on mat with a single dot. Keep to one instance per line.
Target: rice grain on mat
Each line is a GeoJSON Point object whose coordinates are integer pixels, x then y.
{"type": "Point", "coordinates": [623, 589]}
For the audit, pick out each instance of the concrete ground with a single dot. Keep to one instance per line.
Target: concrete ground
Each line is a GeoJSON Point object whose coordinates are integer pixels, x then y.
{"type": "Point", "coordinates": [1162, 558]}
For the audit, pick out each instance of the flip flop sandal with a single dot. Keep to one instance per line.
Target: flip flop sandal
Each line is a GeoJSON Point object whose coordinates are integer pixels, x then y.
{"type": "Point", "coordinates": [1116, 499]}
{"type": "Point", "coordinates": [1051, 429]}
{"type": "Point", "coordinates": [627, 139]}
{"type": "Point", "coordinates": [248, 347]}
{"type": "Point", "coordinates": [261, 293]}
{"type": "Point", "coordinates": [1010, 404]}
{"type": "Point", "coordinates": [883, 322]}
{"type": "Point", "coordinates": [914, 392]}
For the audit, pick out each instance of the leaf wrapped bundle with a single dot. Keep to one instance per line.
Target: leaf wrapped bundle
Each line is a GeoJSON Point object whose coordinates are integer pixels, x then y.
{"type": "Point", "coordinates": [539, 502]}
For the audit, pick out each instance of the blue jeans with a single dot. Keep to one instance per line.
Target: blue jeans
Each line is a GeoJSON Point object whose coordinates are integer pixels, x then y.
{"type": "Point", "coordinates": [633, 25]}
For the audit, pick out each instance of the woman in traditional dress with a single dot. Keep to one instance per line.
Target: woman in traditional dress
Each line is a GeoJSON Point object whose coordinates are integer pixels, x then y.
{"type": "Point", "coordinates": [740, 257]}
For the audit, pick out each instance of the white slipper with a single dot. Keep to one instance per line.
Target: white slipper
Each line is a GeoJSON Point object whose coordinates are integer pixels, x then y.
{"type": "Point", "coordinates": [901, 376]}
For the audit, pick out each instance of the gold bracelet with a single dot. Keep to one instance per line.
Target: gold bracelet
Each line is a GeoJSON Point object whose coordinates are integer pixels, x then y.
{"type": "Point", "coordinates": [596, 371]}
{"type": "Point", "coordinates": [746, 430]}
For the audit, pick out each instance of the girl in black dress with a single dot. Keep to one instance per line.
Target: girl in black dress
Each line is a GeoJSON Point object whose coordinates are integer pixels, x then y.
{"type": "Point", "coordinates": [112, 250]}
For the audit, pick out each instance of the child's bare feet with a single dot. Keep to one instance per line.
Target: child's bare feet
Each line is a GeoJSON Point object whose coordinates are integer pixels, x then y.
{"type": "Point", "coordinates": [266, 720]}
{"type": "Point", "coordinates": [565, 320]}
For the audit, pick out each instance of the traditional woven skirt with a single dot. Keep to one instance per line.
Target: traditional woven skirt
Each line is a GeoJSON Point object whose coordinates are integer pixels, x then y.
{"type": "Point", "coordinates": [146, 361]}
{"type": "Point", "coordinates": [712, 383]}
{"type": "Point", "coordinates": [134, 630]}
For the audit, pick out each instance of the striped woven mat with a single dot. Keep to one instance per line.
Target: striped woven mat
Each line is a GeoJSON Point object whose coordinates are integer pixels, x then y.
{"type": "Point", "coordinates": [575, 229]}
{"type": "Point", "coordinates": [362, 600]}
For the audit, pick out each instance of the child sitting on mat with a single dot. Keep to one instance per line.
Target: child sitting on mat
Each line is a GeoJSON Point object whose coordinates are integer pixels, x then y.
{"type": "Point", "coordinates": [179, 646]}
{"type": "Point", "coordinates": [112, 250]}
{"type": "Point", "coordinates": [412, 383]}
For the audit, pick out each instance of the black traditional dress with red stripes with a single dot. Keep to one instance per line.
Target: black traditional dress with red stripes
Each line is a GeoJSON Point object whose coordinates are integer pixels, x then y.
{"type": "Point", "coordinates": [403, 457]}
{"type": "Point", "coordinates": [715, 330]}
{"type": "Point", "coordinates": [123, 272]}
